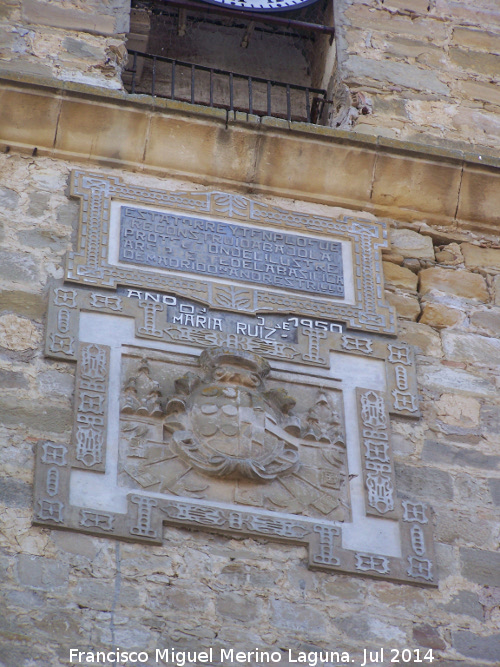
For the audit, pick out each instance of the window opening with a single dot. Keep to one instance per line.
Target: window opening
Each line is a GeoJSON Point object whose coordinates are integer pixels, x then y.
{"type": "Point", "coordinates": [277, 65]}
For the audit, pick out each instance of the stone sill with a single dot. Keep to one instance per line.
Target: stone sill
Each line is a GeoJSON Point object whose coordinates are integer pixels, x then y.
{"type": "Point", "coordinates": [439, 185]}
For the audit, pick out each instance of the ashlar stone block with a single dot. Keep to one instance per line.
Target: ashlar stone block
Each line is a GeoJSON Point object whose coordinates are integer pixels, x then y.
{"type": "Point", "coordinates": [412, 244]}
{"type": "Point", "coordinates": [481, 258]}
{"type": "Point", "coordinates": [400, 276]}
{"type": "Point", "coordinates": [439, 316]}
{"type": "Point", "coordinates": [457, 282]}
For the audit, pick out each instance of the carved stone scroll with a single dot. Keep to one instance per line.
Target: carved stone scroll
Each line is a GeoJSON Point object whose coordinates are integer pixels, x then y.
{"type": "Point", "coordinates": [91, 399]}
{"type": "Point", "coordinates": [378, 470]}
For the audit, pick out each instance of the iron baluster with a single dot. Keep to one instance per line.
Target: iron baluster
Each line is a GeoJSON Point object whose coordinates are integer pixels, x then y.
{"type": "Point", "coordinates": [134, 70]}
{"type": "Point", "coordinates": [153, 83]}
{"type": "Point", "coordinates": [315, 98]}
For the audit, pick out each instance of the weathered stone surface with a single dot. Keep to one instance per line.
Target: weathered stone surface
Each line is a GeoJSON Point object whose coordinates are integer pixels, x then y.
{"type": "Point", "coordinates": [453, 379]}
{"type": "Point", "coordinates": [18, 333]}
{"type": "Point", "coordinates": [12, 380]}
{"type": "Point", "coordinates": [450, 255]}
{"type": "Point", "coordinates": [487, 321]}
{"type": "Point", "coordinates": [476, 61]}
{"type": "Point", "coordinates": [490, 417]}
{"type": "Point", "coordinates": [399, 182]}
{"type": "Point", "coordinates": [95, 595]}
{"type": "Point", "coordinates": [56, 383]}
{"type": "Point", "coordinates": [475, 38]}
{"type": "Point", "coordinates": [14, 493]}
{"type": "Point", "coordinates": [67, 214]}
{"type": "Point", "coordinates": [439, 452]}
{"type": "Point", "coordinates": [411, 244]}
{"type": "Point", "coordinates": [399, 276]}
{"type": "Point", "coordinates": [482, 567]}
{"type": "Point", "coordinates": [467, 603]}
{"type": "Point", "coordinates": [38, 203]}
{"type": "Point", "coordinates": [477, 647]}
{"type": "Point", "coordinates": [40, 416]}
{"type": "Point", "coordinates": [495, 490]}
{"type": "Point", "coordinates": [496, 285]}
{"type": "Point", "coordinates": [9, 199]}
{"type": "Point", "coordinates": [423, 337]}
{"type": "Point", "coordinates": [471, 348]}
{"type": "Point", "coordinates": [424, 482]}
{"type": "Point", "coordinates": [23, 303]}
{"type": "Point", "coordinates": [297, 617]}
{"type": "Point", "coordinates": [236, 606]}
{"type": "Point", "coordinates": [92, 594]}
{"type": "Point", "coordinates": [486, 92]}
{"type": "Point", "coordinates": [43, 238]}
{"type": "Point", "coordinates": [476, 201]}
{"type": "Point", "coordinates": [18, 267]}
{"type": "Point", "coordinates": [39, 572]}
{"type": "Point", "coordinates": [457, 282]}
{"type": "Point", "coordinates": [406, 306]}
{"type": "Point", "coordinates": [393, 257]}
{"type": "Point", "coordinates": [400, 74]}
{"type": "Point", "coordinates": [10, 9]}
{"type": "Point", "coordinates": [74, 18]}
{"type": "Point", "coordinates": [468, 121]}
{"type": "Point", "coordinates": [424, 53]}
{"type": "Point", "coordinates": [73, 543]}
{"type": "Point", "coordinates": [387, 22]}
{"type": "Point", "coordinates": [439, 316]}
{"type": "Point", "coordinates": [458, 410]}
{"type": "Point", "coordinates": [456, 527]}
{"type": "Point", "coordinates": [412, 264]}
{"type": "Point", "coordinates": [426, 635]}
{"type": "Point", "coordinates": [480, 258]}
{"type": "Point", "coordinates": [420, 6]}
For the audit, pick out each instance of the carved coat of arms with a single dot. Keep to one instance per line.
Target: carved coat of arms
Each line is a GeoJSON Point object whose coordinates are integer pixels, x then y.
{"type": "Point", "coordinates": [226, 425]}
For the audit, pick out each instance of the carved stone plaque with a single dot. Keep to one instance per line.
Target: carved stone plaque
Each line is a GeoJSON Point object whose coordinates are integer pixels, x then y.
{"type": "Point", "coordinates": [243, 407]}
{"type": "Point", "coordinates": [225, 250]}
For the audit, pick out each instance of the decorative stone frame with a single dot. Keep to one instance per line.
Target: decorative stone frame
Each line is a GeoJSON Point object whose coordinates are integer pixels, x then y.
{"type": "Point", "coordinates": [385, 537]}
{"type": "Point", "coordinates": [90, 263]}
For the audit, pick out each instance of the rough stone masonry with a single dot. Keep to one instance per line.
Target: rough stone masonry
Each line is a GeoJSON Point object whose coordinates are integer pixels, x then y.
{"type": "Point", "coordinates": [430, 69]}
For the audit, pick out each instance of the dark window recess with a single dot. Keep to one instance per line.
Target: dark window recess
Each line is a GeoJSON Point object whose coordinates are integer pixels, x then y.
{"type": "Point", "coordinates": [266, 65]}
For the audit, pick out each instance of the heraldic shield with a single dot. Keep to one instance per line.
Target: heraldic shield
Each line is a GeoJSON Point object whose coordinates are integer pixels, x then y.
{"type": "Point", "coordinates": [227, 425]}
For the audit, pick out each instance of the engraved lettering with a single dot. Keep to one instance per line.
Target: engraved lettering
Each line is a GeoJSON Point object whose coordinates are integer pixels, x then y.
{"type": "Point", "coordinates": [182, 243]}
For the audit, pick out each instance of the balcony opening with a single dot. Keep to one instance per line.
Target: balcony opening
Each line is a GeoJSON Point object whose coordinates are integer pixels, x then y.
{"type": "Point", "coordinates": [278, 64]}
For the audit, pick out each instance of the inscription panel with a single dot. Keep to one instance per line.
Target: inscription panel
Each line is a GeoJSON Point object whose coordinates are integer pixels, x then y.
{"type": "Point", "coordinates": [188, 313]}
{"type": "Point", "coordinates": [226, 250]}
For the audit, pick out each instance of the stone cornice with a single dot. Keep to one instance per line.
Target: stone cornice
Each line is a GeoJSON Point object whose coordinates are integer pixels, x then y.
{"type": "Point", "coordinates": [441, 186]}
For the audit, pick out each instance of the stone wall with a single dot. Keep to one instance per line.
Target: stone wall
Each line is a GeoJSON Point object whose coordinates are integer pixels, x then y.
{"type": "Point", "coordinates": [417, 70]}
{"type": "Point", "coordinates": [80, 41]}
{"type": "Point", "coordinates": [62, 590]}
{"type": "Point", "coordinates": [429, 67]}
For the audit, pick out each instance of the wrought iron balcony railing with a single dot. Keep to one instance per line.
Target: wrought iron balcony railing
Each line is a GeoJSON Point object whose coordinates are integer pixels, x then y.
{"type": "Point", "coordinates": [208, 86]}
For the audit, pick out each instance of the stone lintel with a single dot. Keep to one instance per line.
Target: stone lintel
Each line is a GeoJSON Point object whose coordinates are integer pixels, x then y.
{"type": "Point", "coordinates": [404, 181]}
